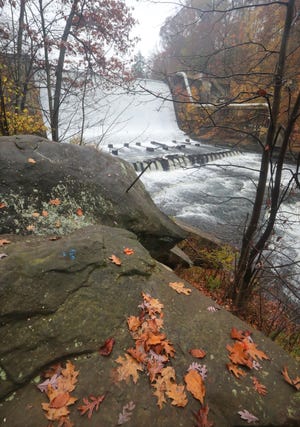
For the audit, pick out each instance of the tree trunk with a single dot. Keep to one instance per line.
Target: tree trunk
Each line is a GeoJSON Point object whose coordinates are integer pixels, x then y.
{"type": "Point", "coordinates": [246, 266]}
{"type": "Point", "coordinates": [59, 73]}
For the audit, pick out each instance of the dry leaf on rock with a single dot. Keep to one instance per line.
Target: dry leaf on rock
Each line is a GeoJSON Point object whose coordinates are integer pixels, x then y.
{"type": "Point", "coordinates": [180, 288]}
{"type": "Point", "coordinates": [129, 368]}
{"type": "Point", "coordinates": [176, 392]}
{"type": "Point", "coordinates": [201, 417]}
{"type": "Point", "coordinates": [115, 260]}
{"type": "Point", "coordinates": [294, 383]}
{"type": "Point", "coordinates": [126, 413]}
{"type": "Point", "coordinates": [30, 160]}
{"type": "Point", "coordinates": [107, 347]}
{"type": "Point", "coordinates": [4, 242]}
{"type": "Point", "coordinates": [197, 352]}
{"type": "Point", "coordinates": [79, 212]}
{"type": "Point", "coordinates": [128, 251]}
{"type": "Point", "coordinates": [91, 404]}
{"type": "Point", "coordinates": [134, 323]}
{"type": "Point", "coordinates": [247, 416]}
{"type": "Point", "coordinates": [260, 388]}
{"type": "Point", "coordinates": [195, 385]}
{"type": "Point", "coordinates": [237, 372]}
{"type": "Point", "coordinates": [54, 202]}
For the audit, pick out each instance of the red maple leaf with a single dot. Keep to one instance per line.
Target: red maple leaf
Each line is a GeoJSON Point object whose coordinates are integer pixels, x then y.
{"type": "Point", "coordinates": [90, 406]}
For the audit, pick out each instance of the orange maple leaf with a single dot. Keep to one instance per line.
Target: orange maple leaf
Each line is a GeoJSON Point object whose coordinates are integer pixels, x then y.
{"type": "Point", "coordinates": [197, 352]}
{"type": "Point", "coordinates": [180, 288]}
{"type": "Point", "coordinates": [153, 305]}
{"type": "Point", "coordinates": [35, 214]}
{"type": "Point", "coordinates": [114, 259]}
{"type": "Point", "coordinates": [3, 205]}
{"type": "Point", "coordinates": [128, 251]}
{"type": "Point", "coordinates": [235, 370]}
{"type": "Point", "coordinates": [260, 388]}
{"type": "Point", "coordinates": [195, 385]}
{"type": "Point", "coordinates": [44, 213]}
{"type": "Point", "coordinates": [30, 227]}
{"type": "Point", "coordinates": [30, 160]}
{"type": "Point", "coordinates": [4, 242]}
{"type": "Point", "coordinates": [239, 335]}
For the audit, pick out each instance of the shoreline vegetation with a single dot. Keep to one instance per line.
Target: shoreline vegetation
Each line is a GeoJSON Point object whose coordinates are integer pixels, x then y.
{"type": "Point", "coordinates": [212, 274]}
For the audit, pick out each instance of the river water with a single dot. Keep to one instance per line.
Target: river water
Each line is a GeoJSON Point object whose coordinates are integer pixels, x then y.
{"type": "Point", "coordinates": [216, 197]}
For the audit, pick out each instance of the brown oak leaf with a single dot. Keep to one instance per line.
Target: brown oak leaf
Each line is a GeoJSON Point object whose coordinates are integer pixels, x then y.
{"type": "Point", "coordinates": [114, 259]}
{"type": "Point", "coordinates": [260, 388]}
{"type": "Point", "coordinates": [235, 370]}
{"type": "Point", "coordinates": [294, 383]}
{"type": "Point", "coordinates": [54, 202]}
{"type": "Point", "coordinates": [201, 417]}
{"type": "Point", "coordinates": [91, 404]}
{"type": "Point", "coordinates": [128, 251]}
{"type": "Point", "coordinates": [176, 392]}
{"type": "Point", "coordinates": [129, 368]}
{"type": "Point", "coordinates": [180, 288]}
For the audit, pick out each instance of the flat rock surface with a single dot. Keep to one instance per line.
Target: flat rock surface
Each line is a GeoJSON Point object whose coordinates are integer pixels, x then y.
{"type": "Point", "coordinates": [60, 300]}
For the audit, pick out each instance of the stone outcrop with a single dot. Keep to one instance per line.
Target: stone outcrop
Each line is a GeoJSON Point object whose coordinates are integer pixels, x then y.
{"type": "Point", "coordinates": [52, 188]}
{"type": "Point", "coordinates": [60, 300]}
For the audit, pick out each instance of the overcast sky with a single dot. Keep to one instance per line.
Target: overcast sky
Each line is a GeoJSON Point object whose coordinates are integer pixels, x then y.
{"type": "Point", "coordinates": [151, 16]}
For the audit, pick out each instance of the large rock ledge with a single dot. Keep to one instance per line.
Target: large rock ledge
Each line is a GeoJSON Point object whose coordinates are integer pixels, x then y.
{"type": "Point", "coordinates": [57, 305]}
{"type": "Point", "coordinates": [35, 171]}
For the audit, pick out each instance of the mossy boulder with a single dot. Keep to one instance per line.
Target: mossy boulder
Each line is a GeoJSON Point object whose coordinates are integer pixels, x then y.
{"type": "Point", "coordinates": [52, 188]}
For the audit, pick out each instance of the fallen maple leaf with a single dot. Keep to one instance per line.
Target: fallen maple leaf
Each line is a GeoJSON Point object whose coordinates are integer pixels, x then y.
{"type": "Point", "coordinates": [54, 202]}
{"type": "Point", "coordinates": [195, 385]}
{"type": "Point", "coordinates": [114, 259]}
{"type": "Point", "coordinates": [107, 347]}
{"type": "Point", "coordinates": [260, 388]}
{"type": "Point", "coordinates": [35, 214]}
{"type": "Point", "coordinates": [3, 205]}
{"type": "Point", "coordinates": [180, 288]}
{"type": "Point", "coordinates": [128, 251]}
{"type": "Point", "coordinates": [4, 242]}
{"type": "Point", "coordinates": [79, 212]}
{"type": "Point", "coordinates": [235, 370]}
{"type": "Point", "coordinates": [247, 416]}
{"type": "Point", "coordinates": [201, 417]}
{"type": "Point", "coordinates": [294, 383]}
{"type": "Point", "coordinates": [238, 354]}
{"type": "Point", "coordinates": [30, 227]}
{"type": "Point", "coordinates": [44, 213]}
{"type": "Point", "coordinates": [126, 413]}
{"type": "Point", "coordinates": [90, 406]}
{"type": "Point", "coordinates": [197, 352]}
{"type": "Point", "coordinates": [30, 160]}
